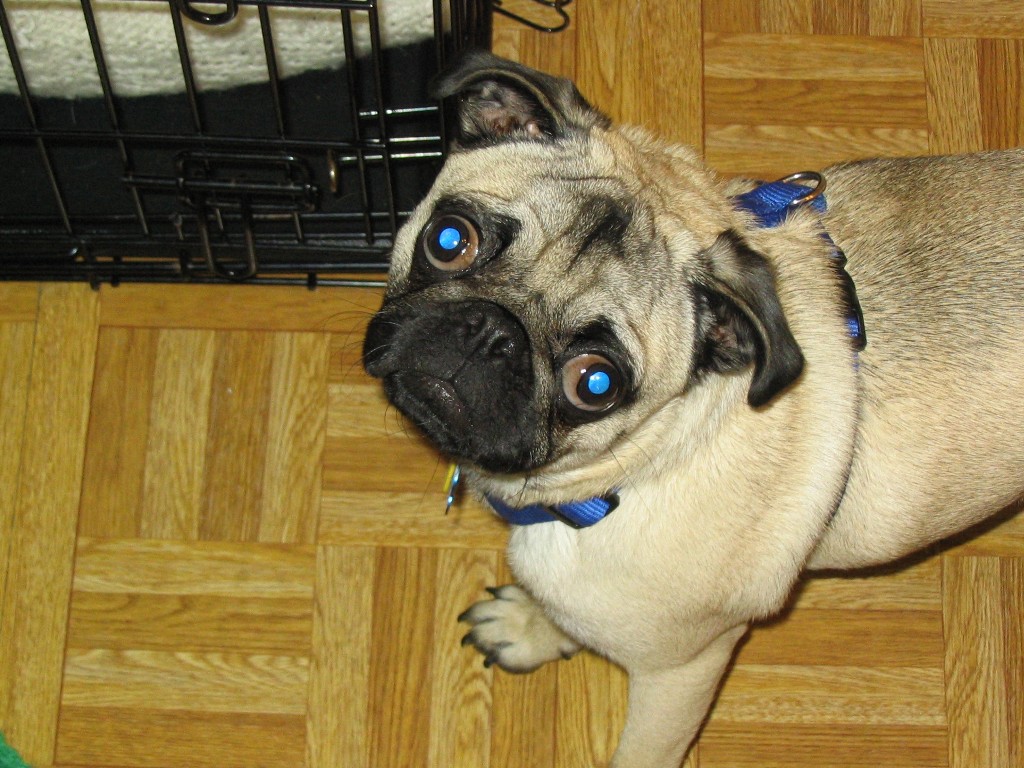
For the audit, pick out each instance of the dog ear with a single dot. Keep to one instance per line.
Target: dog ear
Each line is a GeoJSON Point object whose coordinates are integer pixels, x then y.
{"type": "Point", "coordinates": [500, 99]}
{"type": "Point", "coordinates": [742, 322]}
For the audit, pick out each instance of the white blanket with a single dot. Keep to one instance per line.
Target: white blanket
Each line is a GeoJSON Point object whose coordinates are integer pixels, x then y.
{"type": "Point", "coordinates": [142, 58]}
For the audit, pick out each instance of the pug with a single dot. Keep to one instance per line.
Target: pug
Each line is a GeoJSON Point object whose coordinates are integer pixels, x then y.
{"type": "Point", "coordinates": [684, 391]}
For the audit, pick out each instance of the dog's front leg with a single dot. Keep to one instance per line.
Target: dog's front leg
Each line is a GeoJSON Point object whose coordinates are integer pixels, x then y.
{"type": "Point", "coordinates": [667, 706]}
{"type": "Point", "coordinates": [513, 631]}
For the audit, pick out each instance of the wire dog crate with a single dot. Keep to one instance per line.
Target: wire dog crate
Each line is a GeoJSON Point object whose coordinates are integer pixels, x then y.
{"type": "Point", "coordinates": [275, 141]}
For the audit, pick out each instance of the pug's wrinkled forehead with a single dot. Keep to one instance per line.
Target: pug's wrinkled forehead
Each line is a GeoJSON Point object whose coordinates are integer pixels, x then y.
{"type": "Point", "coordinates": [563, 252]}
{"type": "Point", "coordinates": [544, 195]}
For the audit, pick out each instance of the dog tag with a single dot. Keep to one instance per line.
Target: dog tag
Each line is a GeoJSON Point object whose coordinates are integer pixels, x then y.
{"type": "Point", "coordinates": [451, 485]}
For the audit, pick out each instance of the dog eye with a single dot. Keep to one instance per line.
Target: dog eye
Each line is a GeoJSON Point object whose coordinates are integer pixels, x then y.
{"type": "Point", "coordinates": [591, 383]}
{"type": "Point", "coordinates": [451, 243]}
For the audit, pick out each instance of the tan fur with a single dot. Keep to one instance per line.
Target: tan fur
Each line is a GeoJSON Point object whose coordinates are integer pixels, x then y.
{"type": "Point", "coordinates": [724, 505]}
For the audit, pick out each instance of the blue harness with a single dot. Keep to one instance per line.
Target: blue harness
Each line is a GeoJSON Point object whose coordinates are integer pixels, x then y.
{"type": "Point", "coordinates": [771, 204]}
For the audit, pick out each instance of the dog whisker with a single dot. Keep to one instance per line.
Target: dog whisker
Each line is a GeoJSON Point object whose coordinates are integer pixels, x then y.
{"type": "Point", "coordinates": [629, 479]}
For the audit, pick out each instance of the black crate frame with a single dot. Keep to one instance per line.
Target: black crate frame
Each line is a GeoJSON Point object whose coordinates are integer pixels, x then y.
{"type": "Point", "coordinates": [247, 209]}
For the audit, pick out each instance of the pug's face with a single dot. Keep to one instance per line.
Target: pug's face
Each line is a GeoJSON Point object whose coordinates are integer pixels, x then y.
{"type": "Point", "coordinates": [542, 301]}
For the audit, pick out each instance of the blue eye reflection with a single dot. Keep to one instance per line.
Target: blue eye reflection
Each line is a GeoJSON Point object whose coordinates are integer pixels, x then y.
{"type": "Point", "coordinates": [449, 238]}
{"type": "Point", "coordinates": [598, 383]}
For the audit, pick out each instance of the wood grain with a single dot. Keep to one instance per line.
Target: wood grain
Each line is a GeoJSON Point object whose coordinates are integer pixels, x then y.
{"type": "Point", "coordinates": [119, 423]}
{"type": "Point", "coordinates": [190, 623]}
{"type": "Point", "coordinates": [814, 746]}
{"type": "Point", "coordinates": [893, 18]}
{"type": "Point", "coordinates": [156, 567]}
{"type": "Point", "coordinates": [41, 546]}
{"type": "Point", "coordinates": [819, 57]}
{"type": "Point", "coordinates": [916, 587]}
{"type": "Point", "coordinates": [779, 101]}
{"type": "Point", "coordinates": [954, 100]}
{"type": "Point", "coordinates": [371, 518]}
{"type": "Point", "coordinates": [183, 680]}
{"type": "Point", "coordinates": [844, 695]}
{"type": "Point", "coordinates": [1001, 75]}
{"type": "Point", "coordinates": [175, 454]}
{"type": "Point", "coordinates": [19, 302]}
{"type": "Point", "coordinates": [156, 738]}
{"type": "Point", "coordinates": [773, 151]}
{"type": "Point", "coordinates": [296, 430]}
{"type": "Point", "coordinates": [339, 716]}
{"type": "Point", "coordinates": [826, 103]}
{"type": "Point", "coordinates": [524, 720]}
{"type": "Point", "coordinates": [16, 340]}
{"type": "Point", "coordinates": [461, 687]}
{"type": "Point", "coordinates": [400, 680]}
{"type": "Point", "coordinates": [1012, 588]}
{"type": "Point", "coordinates": [237, 439]}
{"type": "Point", "coordinates": [668, 66]}
{"type": "Point", "coordinates": [978, 18]}
{"type": "Point", "coordinates": [984, 653]}
{"type": "Point", "coordinates": [238, 307]}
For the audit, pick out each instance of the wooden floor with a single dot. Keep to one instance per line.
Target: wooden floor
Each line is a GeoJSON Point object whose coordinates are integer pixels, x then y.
{"type": "Point", "coordinates": [219, 549]}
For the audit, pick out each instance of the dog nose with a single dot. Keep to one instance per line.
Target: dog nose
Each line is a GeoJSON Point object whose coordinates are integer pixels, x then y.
{"type": "Point", "coordinates": [490, 331]}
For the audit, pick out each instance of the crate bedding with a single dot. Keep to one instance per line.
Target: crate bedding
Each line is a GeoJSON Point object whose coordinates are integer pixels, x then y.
{"type": "Point", "coordinates": [141, 56]}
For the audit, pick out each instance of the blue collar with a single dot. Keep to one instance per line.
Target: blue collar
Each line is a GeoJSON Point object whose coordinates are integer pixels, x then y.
{"type": "Point", "coordinates": [772, 203]}
{"type": "Point", "coordinates": [577, 514]}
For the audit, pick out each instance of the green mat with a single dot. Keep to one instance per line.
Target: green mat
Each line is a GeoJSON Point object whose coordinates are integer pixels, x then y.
{"type": "Point", "coordinates": [8, 757]}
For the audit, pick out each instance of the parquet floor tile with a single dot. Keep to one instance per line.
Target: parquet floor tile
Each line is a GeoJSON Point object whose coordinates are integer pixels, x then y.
{"type": "Point", "coordinates": [220, 548]}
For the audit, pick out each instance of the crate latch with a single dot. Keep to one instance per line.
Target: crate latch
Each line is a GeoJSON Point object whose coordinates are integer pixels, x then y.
{"type": "Point", "coordinates": [223, 187]}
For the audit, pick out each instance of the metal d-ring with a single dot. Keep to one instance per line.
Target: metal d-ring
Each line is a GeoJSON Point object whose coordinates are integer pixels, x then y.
{"type": "Point", "coordinates": [816, 191]}
{"type": "Point", "coordinates": [211, 19]}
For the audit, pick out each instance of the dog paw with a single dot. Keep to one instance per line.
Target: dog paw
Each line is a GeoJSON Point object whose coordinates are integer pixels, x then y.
{"type": "Point", "coordinates": [512, 631]}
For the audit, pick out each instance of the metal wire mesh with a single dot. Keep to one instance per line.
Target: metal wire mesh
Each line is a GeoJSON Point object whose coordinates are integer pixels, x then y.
{"type": "Point", "coordinates": [303, 178]}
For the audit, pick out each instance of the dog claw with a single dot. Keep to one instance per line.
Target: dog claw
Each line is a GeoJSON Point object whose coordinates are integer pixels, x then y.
{"type": "Point", "coordinates": [512, 632]}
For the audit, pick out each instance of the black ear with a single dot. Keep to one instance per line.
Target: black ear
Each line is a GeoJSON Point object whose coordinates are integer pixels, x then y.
{"type": "Point", "coordinates": [500, 99]}
{"type": "Point", "coordinates": [742, 321]}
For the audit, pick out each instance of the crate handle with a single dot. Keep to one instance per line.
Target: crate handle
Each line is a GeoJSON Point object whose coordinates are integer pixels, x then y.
{"type": "Point", "coordinates": [558, 6]}
{"type": "Point", "coordinates": [210, 19]}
